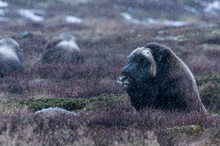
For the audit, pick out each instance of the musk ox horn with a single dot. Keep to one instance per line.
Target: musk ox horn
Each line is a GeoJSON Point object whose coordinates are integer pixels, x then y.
{"type": "Point", "coordinates": [153, 68]}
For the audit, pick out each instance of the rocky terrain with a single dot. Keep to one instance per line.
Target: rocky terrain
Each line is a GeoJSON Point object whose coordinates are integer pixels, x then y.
{"type": "Point", "coordinates": [86, 105]}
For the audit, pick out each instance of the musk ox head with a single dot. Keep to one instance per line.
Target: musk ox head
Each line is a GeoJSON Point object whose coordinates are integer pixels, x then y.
{"type": "Point", "coordinates": [62, 49]}
{"type": "Point", "coordinates": [9, 58]}
{"type": "Point", "coordinates": [138, 78]}
{"type": "Point", "coordinates": [140, 67]}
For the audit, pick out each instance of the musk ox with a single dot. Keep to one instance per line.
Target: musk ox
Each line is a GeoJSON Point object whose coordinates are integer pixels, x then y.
{"type": "Point", "coordinates": [155, 77]}
{"type": "Point", "coordinates": [9, 56]}
{"type": "Point", "coordinates": [62, 49]}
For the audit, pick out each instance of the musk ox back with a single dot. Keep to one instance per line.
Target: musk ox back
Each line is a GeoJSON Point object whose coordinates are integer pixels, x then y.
{"type": "Point", "coordinates": [9, 56]}
{"type": "Point", "coordinates": [155, 77]}
{"type": "Point", "coordinates": [62, 49]}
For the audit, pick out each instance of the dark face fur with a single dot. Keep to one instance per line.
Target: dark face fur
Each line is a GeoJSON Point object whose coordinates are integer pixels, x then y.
{"type": "Point", "coordinates": [140, 68]}
{"type": "Point", "coordinates": [138, 78]}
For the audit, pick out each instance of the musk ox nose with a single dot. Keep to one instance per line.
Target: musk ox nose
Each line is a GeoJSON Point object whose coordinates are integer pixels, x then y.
{"type": "Point", "coordinates": [123, 80]}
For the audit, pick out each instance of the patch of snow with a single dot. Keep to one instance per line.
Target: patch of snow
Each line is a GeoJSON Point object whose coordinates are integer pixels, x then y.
{"type": "Point", "coordinates": [191, 10]}
{"type": "Point", "coordinates": [173, 23]}
{"type": "Point", "coordinates": [73, 20]}
{"type": "Point", "coordinates": [3, 11]}
{"type": "Point", "coordinates": [4, 19]}
{"type": "Point", "coordinates": [213, 7]}
{"type": "Point", "coordinates": [129, 18]}
{"type": "Point", "coordinates": [54, 110]}
{"type": "Point", "coordinates": [3, 4]}
{"type": "Point", "coordinates": [151, 21]}
{"type": "Point", "coordinates": [33, 15]}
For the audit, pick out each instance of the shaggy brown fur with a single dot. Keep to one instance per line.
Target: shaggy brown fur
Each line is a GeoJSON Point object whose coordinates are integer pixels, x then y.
{"type": "Point", "coordinates": [9, 56]}
{"type": "Point", "coordinates": [62, 49]}
{"type": "Point", "coordinates": [172, 87]}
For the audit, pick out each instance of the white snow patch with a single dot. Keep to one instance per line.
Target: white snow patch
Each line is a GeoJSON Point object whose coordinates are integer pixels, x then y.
{"type": "Point", "coordinates": [55, 110]}
{"type": "Point", "coordinates": [3, 4]}
{"type": "Point", "coordinates": [213, 7]}
{"type": "Point", "coordinates": [33, 15]}
{"type": "Point", "coordinates": [73, 20]}
{"type": "Point", "coordinates": [129, 18]}
{"type": "Point", "coordinates": [3, 11]}
{"type": "Point", "coordinates": [174, 23]}
{"type": "Point", "coordinates": [151, 21]}
{"type": "Point", "coordinates": [191, 10]}
{"type": "Point", "coordinates": [4, 19]}
{"type": "Point", "coordinates": [8, 52]}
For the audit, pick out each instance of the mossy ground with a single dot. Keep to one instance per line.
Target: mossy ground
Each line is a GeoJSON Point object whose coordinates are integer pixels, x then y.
{"type": "Point", "coordinates": [72, 104]}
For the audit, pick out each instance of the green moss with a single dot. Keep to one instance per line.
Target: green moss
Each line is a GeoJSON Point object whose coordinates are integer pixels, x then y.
{"type": "Point", "coordinates": [212, 94]}
{"type": "Point", "coordinates": [208, 78]}
{"type": "Point", "coordinates": [189, 130]}
{"type": "Point", "coordinates": [71, 103]}
{"type": "Point", "coordinates": [210, 91]}
{"type": "Point", "coordinates": [210, 97]}
{"type": "Point", "coordinates": [179, 38]}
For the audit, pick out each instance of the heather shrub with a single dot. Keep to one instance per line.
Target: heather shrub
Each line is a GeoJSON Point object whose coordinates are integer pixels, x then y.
{"type": "Point", "coordinates": [105, 101]}
{"type": "Point", "coordinates": [209, 78]}
{"type": "Point", "coordinates": [209, 91]}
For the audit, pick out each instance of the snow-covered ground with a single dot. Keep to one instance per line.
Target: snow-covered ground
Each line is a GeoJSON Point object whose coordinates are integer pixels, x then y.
{"type": "Point", "coordinates": [3, 4]}
{"type": "Point", "coordinates": [34, 15]}
{"type": "Point", "coordinates": [151, 21]}
{"type": "Point", "coordinates": [213, 7]}
{"type": "Point", "coordinates": [54, 110]}
{"type": "Point", "coordinates": [73, 20]}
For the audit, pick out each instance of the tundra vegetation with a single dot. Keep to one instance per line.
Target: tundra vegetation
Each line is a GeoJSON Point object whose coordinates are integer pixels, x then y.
{"type": "Point", "coordinates": [86, 104]}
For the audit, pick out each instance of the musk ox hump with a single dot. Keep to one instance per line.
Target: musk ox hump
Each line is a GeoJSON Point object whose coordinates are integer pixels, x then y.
{"type": "Point", "coordinates": [69, 45]}
{"type": "Point", "coordinates": [9, 49]}
{"type": "Point", "coordinates": [62, 49]}
{"type": "Point", "coordinates": [8, 53]}
{"type": "Point", "coordinates": [9, 41]}
{"type": "Point", "coordinates": [9, 59]}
